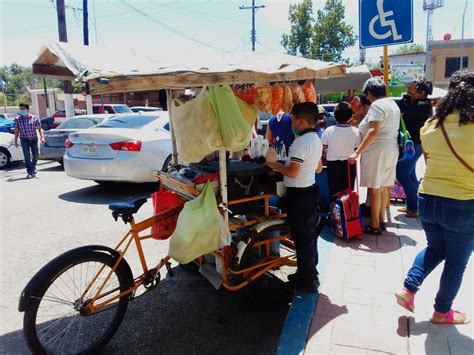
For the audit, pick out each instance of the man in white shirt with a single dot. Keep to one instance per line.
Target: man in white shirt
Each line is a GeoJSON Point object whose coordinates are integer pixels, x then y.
{"type": "Point", "coordinates": [304, 159]}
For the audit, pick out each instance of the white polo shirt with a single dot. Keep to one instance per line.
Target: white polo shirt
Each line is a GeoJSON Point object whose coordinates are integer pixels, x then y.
{"type": "Point", "coordinates": [341, 141]}
{"type": "Point", "coordinates": [305, 150]}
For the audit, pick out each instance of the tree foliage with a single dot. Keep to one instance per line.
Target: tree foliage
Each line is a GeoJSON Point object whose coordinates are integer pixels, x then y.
{"type": "Point", "coordinates": [410, 49]}
{"type": "Point", "coordinates": [323, 38]}
{"type": "Point", "coordinates": [18, 78]}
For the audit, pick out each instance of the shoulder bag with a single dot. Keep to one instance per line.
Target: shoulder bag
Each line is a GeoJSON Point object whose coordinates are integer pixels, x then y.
{"type": "Point", "coordinates": [458, 157]}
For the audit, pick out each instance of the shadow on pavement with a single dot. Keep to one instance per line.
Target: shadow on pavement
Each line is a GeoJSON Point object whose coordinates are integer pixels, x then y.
{"type": "Point", "coordinates": [457, 343]}
{"type": "Point", "coordinates": [104, 194]}
{"type": "Point", "coordinates": [331, 311]}
{"type": "Point", "coordinates": [57, 167]}
{"type": "Point", "coordinates": [186, 315]}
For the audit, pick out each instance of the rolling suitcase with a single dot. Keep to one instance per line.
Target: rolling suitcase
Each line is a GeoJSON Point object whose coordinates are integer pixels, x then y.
{"type": "Point", "coordinates": [346, 219]}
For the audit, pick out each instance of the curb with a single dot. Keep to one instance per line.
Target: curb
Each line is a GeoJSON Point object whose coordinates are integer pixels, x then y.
{"type": "Point", "coordinates": [298, 321]}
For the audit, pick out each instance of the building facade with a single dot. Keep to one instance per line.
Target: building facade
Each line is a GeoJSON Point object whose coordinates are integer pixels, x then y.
{"type": "Point", "coordinates": [443, 59]}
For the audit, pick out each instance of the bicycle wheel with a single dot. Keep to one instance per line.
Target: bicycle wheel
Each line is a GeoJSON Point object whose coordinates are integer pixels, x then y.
{"type": "Point", "coordinates": [55, 321]}
{"type": "Point", "coordinates": [266, 288]}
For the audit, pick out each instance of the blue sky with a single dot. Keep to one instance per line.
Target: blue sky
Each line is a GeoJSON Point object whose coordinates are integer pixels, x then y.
{"type": "Point", "coordinates": [160, 25]}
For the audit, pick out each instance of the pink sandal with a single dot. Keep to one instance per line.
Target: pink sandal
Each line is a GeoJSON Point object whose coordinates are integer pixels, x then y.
{"type": "Point", "coordinates": [406, 299]}
{"type": "Point", "coordinates": [448, 318]}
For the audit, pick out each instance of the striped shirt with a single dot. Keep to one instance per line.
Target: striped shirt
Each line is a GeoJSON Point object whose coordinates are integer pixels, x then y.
{"type": "Point", "coordinates": [27, 126]}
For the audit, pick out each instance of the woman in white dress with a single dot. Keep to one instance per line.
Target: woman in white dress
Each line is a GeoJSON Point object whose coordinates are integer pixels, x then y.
{"type": "Point", "coordinates": [378, 150]}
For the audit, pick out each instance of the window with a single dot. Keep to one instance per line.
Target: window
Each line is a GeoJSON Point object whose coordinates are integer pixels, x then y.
{"type": "Point", "coordinates": [452, 65]}
{"type": "Point", "coordinates": [135, 122]}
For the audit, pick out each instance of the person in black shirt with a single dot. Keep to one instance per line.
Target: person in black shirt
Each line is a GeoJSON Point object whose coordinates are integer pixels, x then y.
{"type": "Point", "coordinates": [416, 108]}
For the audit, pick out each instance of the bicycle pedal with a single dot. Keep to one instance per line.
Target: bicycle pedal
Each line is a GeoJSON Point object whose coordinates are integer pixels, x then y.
{"type": "Point", "coordinates": [169, 269]}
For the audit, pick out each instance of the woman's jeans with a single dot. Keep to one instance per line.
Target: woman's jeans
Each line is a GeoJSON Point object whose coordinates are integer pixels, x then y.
{"type": "Point", "coordinates": [406, 176]}
{"type": "Point", "coordinates": [30, 159]}
{"type": "Point", "coordinates": [449, 229]}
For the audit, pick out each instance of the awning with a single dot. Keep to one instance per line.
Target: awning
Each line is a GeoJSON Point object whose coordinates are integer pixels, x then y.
{"type": "Point", "coordinates": [127, 71]}
{"type": "Point", "coordinates": [353, 79]}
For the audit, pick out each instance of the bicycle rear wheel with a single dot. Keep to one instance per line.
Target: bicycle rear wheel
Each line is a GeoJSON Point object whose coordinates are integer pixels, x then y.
{"type": "Point", "coordinates": [55, 321]}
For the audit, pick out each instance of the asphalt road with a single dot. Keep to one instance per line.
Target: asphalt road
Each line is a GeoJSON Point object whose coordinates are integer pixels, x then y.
{"type": "Point", "coordinates": [46, 216]}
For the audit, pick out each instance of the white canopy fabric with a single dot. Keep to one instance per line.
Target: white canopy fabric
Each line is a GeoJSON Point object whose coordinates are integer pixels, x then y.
{"type": "Point", "coordinates": [438, 93]}
{"type": "Point", "coordinates": [353, 79]}
{"type": "Point", "coordinates": [127, 70]}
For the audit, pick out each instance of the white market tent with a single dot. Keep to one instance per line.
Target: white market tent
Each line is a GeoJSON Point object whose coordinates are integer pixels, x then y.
{"type": "Point", "coordinates": [128, 72]}
{"type": "Point", "coordinates": [353, 79]}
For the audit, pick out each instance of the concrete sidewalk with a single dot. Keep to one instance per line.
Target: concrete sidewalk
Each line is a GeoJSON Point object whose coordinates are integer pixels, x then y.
{"type": "Point", "coordinates": [356, 311]}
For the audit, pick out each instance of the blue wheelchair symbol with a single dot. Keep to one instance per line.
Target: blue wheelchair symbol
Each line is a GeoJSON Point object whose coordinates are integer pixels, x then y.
{"type": "Point", "coordinates": [384, 22]}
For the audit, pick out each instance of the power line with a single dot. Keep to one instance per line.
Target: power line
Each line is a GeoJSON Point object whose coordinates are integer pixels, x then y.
{"type": "Point", "coordinates": [169, 28]}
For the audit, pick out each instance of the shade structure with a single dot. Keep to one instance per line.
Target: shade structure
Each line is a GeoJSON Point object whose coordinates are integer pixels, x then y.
{"type": "Point", "coordinates": [129, 71]}
{"type": "Point", "coordinates": [353, 79]}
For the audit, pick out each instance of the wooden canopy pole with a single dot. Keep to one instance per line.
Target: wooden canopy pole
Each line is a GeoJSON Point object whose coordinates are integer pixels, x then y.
{"type": "Point", "coordinates": [169, 99]}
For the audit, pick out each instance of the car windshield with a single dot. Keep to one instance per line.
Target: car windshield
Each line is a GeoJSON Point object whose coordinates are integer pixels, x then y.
{"type": "Point", "coordinates": [121, 109]}
{"type": "Point", "coordinates": [79, 123]}
{"type": "Point", "coordinates": [135, 121]}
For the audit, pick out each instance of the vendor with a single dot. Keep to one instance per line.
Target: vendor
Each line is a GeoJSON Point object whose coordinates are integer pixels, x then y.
{"type": "Point", "coordinates": [279, 131]}
{"type": "Point", "coordinates": [303, 194]}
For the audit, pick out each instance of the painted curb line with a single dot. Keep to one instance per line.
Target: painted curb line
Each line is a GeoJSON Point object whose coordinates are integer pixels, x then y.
{"type": "Point", "coordinates": [298, 321]}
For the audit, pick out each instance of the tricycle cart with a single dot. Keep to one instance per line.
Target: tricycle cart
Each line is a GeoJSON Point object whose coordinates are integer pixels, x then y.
{"type": "Point", "coordinates": [77, 301]}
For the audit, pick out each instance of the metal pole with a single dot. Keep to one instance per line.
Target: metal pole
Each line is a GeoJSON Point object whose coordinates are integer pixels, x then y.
{"type": "Point", "coordinates": [85, 22]}
{"type": "Point", "coordinates": [169, 98]}
{"type": "Point", "coordinates": [223, 182]}
{"type": "Point", "coordinates": [253, 26]}
{"type": "Point", "coordinates": [462, 37]}
{"type": "Point", "coordinates": [385, 68]}
{"type": "Point", "coordinates": [4, 99]}
{"type": "Point", "coordinates": [46, 98]}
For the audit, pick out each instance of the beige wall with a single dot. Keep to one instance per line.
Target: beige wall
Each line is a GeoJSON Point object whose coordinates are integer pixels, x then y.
{"type": "Point", "coordinates": [438, 63]}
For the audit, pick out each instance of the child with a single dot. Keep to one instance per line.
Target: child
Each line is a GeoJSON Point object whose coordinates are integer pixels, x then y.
{"type": "Point", "coordinates": [304, 159]}
{"type": "Point", "coordinates": [340, 140]}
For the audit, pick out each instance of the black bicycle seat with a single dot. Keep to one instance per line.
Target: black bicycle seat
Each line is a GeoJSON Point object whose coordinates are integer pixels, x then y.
{"type": "Point", "coordinates": [129, 207]}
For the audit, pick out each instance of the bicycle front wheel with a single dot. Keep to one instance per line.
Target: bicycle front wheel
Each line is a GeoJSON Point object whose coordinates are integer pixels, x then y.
{"type": "Point", "coordinates": [55, 320]}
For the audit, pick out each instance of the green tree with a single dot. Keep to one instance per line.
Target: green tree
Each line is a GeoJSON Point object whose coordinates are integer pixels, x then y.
{"type": "Point", "coordinates": [325, 37]}
{"type": "Point", "coordinates": [410, 49]}
{"type": "Point", "coordinates": [299, 40]}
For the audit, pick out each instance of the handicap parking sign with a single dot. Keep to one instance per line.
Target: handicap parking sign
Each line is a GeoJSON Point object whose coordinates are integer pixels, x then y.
{"type": "Point", "coordinates": [385, 22]}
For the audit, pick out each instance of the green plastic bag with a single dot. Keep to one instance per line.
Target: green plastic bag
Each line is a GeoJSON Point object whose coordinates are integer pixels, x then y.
{"type": "Point", "coordinates": [198, 228]}
{"type": "Point", "coordinates": [234, 116]}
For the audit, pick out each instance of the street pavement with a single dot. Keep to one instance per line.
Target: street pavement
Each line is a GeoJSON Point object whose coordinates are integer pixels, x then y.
{"type": "Point", "coordinates": [357, 313]}
{"type": "Point", "coordinates": [43, 217]}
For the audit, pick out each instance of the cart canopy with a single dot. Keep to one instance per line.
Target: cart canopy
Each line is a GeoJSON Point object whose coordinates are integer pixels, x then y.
{"type": "Point", "coordinates": [129, 71]}
{"type": "Point", "coordinates": [353, 79]}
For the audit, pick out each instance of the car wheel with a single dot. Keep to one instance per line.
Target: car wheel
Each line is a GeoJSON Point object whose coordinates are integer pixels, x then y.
{"type": "Point", "coordinates": [5, 158]}
{"type": "Point", "coordinates": [168, 163]}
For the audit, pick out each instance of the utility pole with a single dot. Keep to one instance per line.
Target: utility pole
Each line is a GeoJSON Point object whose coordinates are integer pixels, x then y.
{"type": "Point", "coordinates": [85, 22]}
{"type": "Point", "coordinates": [462, 36]}
{"type": "Point", "coordinates": [68, 100]}
{"type": "Point", "coordinates": [254, 10]}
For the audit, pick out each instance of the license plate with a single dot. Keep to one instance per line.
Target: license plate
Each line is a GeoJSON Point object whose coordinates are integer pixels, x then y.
{"type": "Point", "coordinates": [90, 149]}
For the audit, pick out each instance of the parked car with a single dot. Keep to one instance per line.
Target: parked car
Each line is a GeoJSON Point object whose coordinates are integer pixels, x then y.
{"type": "Point", "coordinates": [329, 108]}
{"type": "Point", "coordinates": [126, 148]}
{"type": "Point", "coordinates": [111, 108]}
{"type": "Point", "coordinates": [145, 108]}
{"type": "Point", "coordinates": [60, 116]}
{"type": "Point", "coordinates": [8, 152]}
{"type": "Point", "coordinates": [53, 148]}
{"type": "Point", "coordinates": [7, 123]}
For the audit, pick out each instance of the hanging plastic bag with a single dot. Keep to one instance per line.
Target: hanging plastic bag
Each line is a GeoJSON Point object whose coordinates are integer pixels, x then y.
{"type": "Point", "coordinates": [277, 98]}
{"type": "Point", "coordinates": [309, 91]}
{"type": "Point", "coordinates": [297, 93]}
{"type": "Point", "coordinates": [264, 98]}
{"type": "Point", "coordinates": [198, 231]}
{"type": "Point", "coordinates": [196, 127]}
{"type": "Point", "coordinates": [287, 103]}
{"type": "Point", "coordinates": [235, 117]}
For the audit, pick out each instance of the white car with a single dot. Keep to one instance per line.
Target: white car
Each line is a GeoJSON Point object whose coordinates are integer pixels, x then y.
{"type": "Point", "coordinates": [126, 148]}
{"type": "Point", "coordinates": [8, 152]}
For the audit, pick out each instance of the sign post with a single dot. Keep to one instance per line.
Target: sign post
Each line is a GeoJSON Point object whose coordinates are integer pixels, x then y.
{"type": "Point", "coordinates": [385, 23]}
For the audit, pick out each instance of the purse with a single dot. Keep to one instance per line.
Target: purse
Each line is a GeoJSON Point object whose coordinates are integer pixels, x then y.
{"type": "Point", "coordinates": [458, 157]}
{"type": "Point", "coordinates": [405, 143]}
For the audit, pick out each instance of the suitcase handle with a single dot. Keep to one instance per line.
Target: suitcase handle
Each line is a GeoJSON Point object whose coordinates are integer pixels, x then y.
{"type": "Point", "coordinates": [349, 177]}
